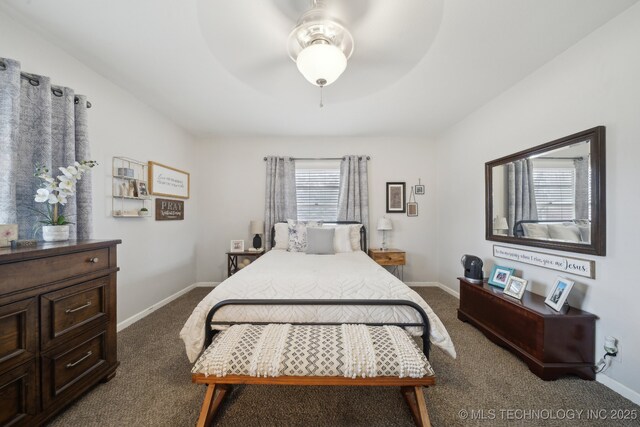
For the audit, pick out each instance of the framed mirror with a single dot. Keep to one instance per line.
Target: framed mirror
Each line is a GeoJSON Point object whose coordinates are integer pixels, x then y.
{"type": "Point", "coordinates": [550, 196]}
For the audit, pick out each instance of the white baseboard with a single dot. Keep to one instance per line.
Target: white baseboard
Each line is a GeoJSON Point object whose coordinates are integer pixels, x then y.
{"type": "Point", "coordinates": [144, 313]}
{"type": "Point", "coordinates": [434, 285]}
{"type": "Point", "coordinates": [619, 388]}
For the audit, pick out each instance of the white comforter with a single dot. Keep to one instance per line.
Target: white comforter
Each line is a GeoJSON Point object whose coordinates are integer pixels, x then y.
{"type": "Point", "coordinates": [288, 275]}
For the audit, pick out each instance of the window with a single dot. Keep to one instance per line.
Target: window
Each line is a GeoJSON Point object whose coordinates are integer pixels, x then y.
{"type": "Point", "coordinates": [554, 187]}
{"type": "Point", "coordinates": [317, 190]}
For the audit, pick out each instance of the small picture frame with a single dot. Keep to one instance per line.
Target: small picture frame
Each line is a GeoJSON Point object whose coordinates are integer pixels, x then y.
{"type": "Point", "coordinates": [140, 188]}
{"type": "Point", "coordinates": [412, 209]}
{"type": "Point", "coordinates": [515, 287]}
{"type": "Point", "coordinates": [500, 276]}
{"type": "Point", "coordinates": [237, 246]}
{"type": "Point", "coordinates": [559, 293]}
{"type": "Point", "coordinates": [8, 232]}
{"type": "Point", "coordinates": [419, 189]}
{"type": "Point", "coordinates": [396, 197]}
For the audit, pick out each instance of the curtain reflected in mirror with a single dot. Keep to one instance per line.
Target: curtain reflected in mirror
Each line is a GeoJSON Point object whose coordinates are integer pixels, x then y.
{"type": "Point", "coordinates": [544, 196]}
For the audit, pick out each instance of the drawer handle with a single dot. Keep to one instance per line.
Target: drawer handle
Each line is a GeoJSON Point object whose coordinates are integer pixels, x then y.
{"type": "Point", "coordinates": [71, 365]}
{"type": "Point", "coordinates": [82, 307]}
{"type": "Point", "coordinates": [94, 260]}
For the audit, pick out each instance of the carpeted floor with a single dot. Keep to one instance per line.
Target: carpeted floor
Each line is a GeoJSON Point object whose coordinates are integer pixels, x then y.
{"type": "Point", "coordinates": [485, 385]}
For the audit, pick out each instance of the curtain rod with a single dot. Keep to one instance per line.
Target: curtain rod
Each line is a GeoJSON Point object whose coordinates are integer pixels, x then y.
{"type": "Point", "coordinates": [318, 158]}
{"type": "Point", "coordinates": [33, 80]}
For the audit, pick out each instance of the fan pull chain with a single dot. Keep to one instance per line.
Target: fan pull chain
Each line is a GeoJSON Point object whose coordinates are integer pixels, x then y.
{"type": "Point", "coordinates": [321, 104]}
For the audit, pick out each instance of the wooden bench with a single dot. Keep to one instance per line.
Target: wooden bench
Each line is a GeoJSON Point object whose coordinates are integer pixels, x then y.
{"type": "Point", "coordinates": [351, 355]}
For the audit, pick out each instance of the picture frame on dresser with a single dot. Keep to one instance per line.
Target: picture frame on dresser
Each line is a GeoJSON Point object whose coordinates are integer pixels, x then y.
{"type": "Point", "coordinates": [500, 276]}
{"type": "Point", "coordinates": [559, 293]}
{"type": "Point", "coordinates": [515, 287]}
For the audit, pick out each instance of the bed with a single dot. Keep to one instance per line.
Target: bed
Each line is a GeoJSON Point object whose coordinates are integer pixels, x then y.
{"type": "Point", "coordinates": [328, 289]}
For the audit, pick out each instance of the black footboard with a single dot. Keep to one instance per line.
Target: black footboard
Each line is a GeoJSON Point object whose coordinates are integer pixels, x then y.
{"type": "Point", "coordinates": [210, 332]}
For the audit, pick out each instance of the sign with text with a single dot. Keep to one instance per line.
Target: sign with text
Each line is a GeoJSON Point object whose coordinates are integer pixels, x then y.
{"type": "Point", "coordinates": [167, 210]}
{"type": "Point", "coordinates": [168, 181]}
{"type": "Point", "coordinates": [581, 267]}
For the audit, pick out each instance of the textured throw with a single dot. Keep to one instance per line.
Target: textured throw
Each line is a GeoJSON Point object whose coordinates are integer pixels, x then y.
{"type": "Point", "coordinates": [40, 124]}
{"type": "Point", "coordinates": [326, 351]}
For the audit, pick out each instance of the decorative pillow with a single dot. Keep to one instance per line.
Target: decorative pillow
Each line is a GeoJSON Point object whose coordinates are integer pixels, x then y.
{"type": "Point", "coordinates": [567, 232]}
{"type": "Point", "coordinates": [535, 231]}
{"type": "Point", "coordinates": [354, 236]}
{"type": "Point", "coordinates": [282, 236]}
{"type": "Point", "coordinates": [320, 241]}
{"type": "Point", "coordinates": [585, 233]}
{"type": "Point", "coordinates": [341, 240]}
{"type": "Point", "coordinates": [298, 234]}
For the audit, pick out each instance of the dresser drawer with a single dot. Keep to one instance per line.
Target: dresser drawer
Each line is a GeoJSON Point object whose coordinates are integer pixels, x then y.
{"type": "Point", "coordinates": [18, 403]}
{"type": "Point", "coordinates": [51, 269]}
{"type": "Point", "coordinates": [389, 258]}
{"type": "Point", "coordinates": [69, 368]}
{"type": "Point", "coordinates": [73, 310]}
{"type": "Point", "coordinates": [17, 333]}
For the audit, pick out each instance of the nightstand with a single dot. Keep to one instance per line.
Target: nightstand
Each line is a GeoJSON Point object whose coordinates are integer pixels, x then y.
{"type": "Point", "coordinates": [232, 259]}
{"type": "Point", "coordinates": [391, 257]}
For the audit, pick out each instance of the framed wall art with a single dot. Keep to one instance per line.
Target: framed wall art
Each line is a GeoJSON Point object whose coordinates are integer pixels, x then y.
{"type": "Point", "coordinates": [168, 181]}
{"type": "Point", "coordinates": [419, 189]}
{"type": "Point", "coordinates": [396, 195]}
{"type": "Point", "coordinates": [169, 210]}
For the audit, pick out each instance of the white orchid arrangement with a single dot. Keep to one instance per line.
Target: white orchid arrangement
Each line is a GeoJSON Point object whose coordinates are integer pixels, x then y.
{"type": "Point", "coordinates": [56, 191]}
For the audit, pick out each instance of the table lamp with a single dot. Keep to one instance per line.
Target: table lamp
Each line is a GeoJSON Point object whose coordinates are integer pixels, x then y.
{"type": "Point", "coordinates": [384, 224]}
{"type": "Point", "coordinates": [500, 225]}
{"type": "Point", "coordinates": [257, 228]}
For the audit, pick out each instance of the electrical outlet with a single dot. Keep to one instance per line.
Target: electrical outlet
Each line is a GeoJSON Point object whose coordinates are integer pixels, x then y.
{"type": "Point", "coordinates": [617, 359]}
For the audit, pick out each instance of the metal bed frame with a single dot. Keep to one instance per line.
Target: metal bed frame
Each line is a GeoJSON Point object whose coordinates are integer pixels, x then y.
{"type": "Point", "coordinates": [210, 332]}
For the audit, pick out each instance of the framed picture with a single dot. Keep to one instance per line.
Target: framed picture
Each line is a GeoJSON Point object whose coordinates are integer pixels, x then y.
{"type": "Point", "coordinates": [500, 276]}
{"type": "Point", "coordinates": [515, 287]}
{"type": "Point", "coordinates": [140, 189]}
{"type": "Point", "coordinates": [396, 195]}
{"type": "Point", "coordinates": [167, 181]}
{"type": "Point", "coordinates": [412, 209]}
{"type": "Point", "coordinates": [8, 232]}
{"type": "Point", "coordinates": [169, 210]}
{"type": "Point", "coordinates": [237, 246]}
{"type": "Point", "coordinates": [419, 189]}
{"type": "Point", "coordinates": [559, 293]}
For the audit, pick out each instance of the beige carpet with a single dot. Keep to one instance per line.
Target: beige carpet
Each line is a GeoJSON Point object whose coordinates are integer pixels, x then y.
{"type": "Point", "coordinates": [153, 387]}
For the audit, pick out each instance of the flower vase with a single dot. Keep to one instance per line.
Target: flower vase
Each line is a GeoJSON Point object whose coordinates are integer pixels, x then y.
{"type": "Point", "coordinates": [55, 233]}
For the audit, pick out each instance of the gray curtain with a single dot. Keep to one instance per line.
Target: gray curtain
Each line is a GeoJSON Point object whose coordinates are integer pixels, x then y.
{"type": "Point", "coordinates": [280, 193]}
{"type": "Point", "coordinates": [40, 124]}
{"type": "Point", "coordinates": [353, 202]}
{"type": "Point", "coordinates": [582, 188]}
{"type": "Point", "coordinates": [521, 194]}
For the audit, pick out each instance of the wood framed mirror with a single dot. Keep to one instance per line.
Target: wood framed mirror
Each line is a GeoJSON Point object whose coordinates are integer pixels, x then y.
{"type": "Point", "coordinates": [550, 196]}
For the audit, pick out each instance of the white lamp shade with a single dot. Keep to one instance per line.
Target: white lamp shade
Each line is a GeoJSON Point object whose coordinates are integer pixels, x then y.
{"type": "Point", "coordinates": [321, 62]}
{"type": "Point", "coordinates": [500, 223]}
{"type": "Point", "coordinates": [257, 227]}
{"type": "Point", "coordinates": [384, 224]}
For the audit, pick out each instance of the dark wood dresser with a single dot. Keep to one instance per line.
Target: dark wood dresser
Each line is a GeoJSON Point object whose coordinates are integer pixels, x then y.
{"type": "Point", "coordinates": [57, 326]}
{"type": "Point", "coordinates": [551, 343]}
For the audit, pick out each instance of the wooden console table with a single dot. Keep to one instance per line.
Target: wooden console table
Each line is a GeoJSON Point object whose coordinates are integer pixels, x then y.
{"type": "Point", "coordinates": [551, 343]}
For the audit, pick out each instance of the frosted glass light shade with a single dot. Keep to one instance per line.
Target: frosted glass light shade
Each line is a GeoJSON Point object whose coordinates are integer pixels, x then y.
{"type": "Point", "coordinates": [257, 227]}
{"type": "Point", "coordinates": [500, 223]}
{"type": "Point", "coordinates": [318, 62]}
{"type": "Point", "coordinates": [384, 224]}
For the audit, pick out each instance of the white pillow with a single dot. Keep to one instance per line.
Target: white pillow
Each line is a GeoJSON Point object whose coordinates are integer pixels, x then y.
{"type": "Point", "coordinates": [567, 232]}
{"type": "Point", "coordinates": [585, 233]}
{"type": "Point", "coordinates": [535, 231]}
{"type": "Point", "coordinates": [341, 239]}
{"type": "Point", "coordinates": [282, 236]}
{"type": "Point", "coordinates": [298, 234]}
{"type": "Point", "coordinates": [354, 236]}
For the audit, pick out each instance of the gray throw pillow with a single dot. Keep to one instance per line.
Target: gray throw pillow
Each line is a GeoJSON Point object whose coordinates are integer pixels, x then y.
{"type": "Point", "coordinates": [320, 241]}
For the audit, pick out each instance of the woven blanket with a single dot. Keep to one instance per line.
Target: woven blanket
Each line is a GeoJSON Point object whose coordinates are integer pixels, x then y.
{"type": "Point", "coordinates": [299, 350]}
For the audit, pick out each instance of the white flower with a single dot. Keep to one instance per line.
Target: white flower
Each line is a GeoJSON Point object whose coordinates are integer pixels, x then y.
{"type": "Point", "coordinates": [53, 199]}
{"type": "Point", "coordinates": [69, 172]}
{"type": "Point", "coordinates": [42, 195]}
{"type": "Point", "coordinates": [66, 183]}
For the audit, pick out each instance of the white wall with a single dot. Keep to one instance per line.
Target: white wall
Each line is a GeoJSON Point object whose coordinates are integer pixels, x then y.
{"type": "Point", "coordinates": [596, 82]}
{"type": "Point", "coordinates": [156, 259]}
{"type": "Point", "coordinates": [232, 176]}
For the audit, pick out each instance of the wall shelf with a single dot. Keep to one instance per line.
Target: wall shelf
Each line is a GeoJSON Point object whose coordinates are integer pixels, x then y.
{"type": "Point", "coordinates": [129, 188]}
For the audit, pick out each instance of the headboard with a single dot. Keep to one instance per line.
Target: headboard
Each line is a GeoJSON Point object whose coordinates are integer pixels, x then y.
{"type": "Point", "coordinates": [518, 231]}
{"type": "Point", "coordinates": [363, 233]}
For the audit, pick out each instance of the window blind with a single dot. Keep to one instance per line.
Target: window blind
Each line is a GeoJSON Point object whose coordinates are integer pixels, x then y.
{"type": "Point", "coordinates": [317, 192]}
{"type": "Point", "coordinates": [555, 193]}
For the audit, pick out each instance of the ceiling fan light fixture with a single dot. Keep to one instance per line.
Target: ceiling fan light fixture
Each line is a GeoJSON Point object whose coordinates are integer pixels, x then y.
{"type": "Point", "coordinates": [321, 63]}
{"type": "Point", "coordinates": [320, 46]}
